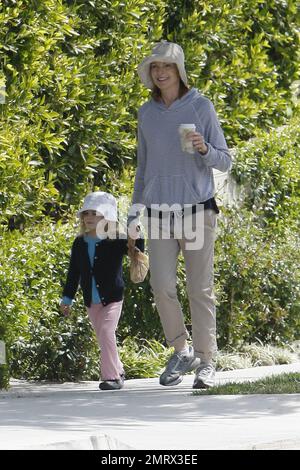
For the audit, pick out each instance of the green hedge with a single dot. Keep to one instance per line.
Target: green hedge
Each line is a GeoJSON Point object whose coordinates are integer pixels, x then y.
{"type": "Point", "coordinates": [69, 120]}
{"type": "Point", "coordinates": [68, 125]}
{"type": "Point", "coordinates": [268, 169]}
{"type": "Point", "coordinates": [71, 88]}
{"type": "Point", "coordinates": [243, 54]}
{"type": "Point", "coordinates": [257, 269]}
{"type": "Point", "coordinates": [257, 281]}
{"type": "Point", "coordinates": [257, 273]}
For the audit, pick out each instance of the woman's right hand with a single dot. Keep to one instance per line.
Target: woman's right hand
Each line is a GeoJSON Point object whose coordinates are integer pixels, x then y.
{"type": "Point", "coordinates": [65, 309]}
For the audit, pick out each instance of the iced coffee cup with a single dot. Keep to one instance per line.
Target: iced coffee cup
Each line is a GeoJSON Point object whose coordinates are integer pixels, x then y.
{"type": "Point", "coordinates": [186, 144]}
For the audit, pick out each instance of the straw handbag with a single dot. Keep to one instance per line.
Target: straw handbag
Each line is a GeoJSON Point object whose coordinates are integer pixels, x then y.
{"type": "Point", "coordinates": [139, 262]}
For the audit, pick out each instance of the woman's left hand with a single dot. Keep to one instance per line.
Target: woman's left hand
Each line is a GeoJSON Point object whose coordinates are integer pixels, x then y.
{"type": "Point", "coordinates": [198, 142]}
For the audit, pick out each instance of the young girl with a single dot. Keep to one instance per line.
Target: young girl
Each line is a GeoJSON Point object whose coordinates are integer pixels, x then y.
{"type": "Point", "coordinates": [96, 263]}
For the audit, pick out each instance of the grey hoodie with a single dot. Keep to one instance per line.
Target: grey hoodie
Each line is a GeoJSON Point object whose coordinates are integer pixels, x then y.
{"type": "Point", "coordinates": [166, 174]}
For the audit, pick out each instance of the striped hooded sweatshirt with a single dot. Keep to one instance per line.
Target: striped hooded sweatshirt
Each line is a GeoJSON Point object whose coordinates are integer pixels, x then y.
{"type": "Point", "coordinates": [167, 175]}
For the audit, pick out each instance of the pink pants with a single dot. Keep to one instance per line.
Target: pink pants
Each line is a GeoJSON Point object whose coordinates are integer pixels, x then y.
{"type": "Point", "coordinates": [105, 321]}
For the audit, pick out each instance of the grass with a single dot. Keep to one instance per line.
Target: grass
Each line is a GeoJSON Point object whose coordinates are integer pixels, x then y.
{"type": "Point", "coordinates": [255, 354]}
{"type": "Point", "coordinates": [275, 384]}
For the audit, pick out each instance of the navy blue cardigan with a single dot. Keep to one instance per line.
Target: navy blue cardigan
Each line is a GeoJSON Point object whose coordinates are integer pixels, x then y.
{"type": "Point", "coordinates": [107, 269]}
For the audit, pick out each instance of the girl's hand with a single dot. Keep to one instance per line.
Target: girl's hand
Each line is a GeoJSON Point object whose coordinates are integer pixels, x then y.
{"type": "Point", "coordinates": [65, 309]}
{"type": "Point", "coordinates": [134, 229]}
{"type": "Point", "coordinates": [198, 142]}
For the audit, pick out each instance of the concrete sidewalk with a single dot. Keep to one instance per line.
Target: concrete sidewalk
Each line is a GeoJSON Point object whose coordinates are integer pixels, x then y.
{"type": "Point", "coordinates": [146, 416]}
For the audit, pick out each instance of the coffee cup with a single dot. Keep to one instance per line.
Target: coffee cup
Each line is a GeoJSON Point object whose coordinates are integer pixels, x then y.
{"type": "Point", "coordinates": [186, 144]}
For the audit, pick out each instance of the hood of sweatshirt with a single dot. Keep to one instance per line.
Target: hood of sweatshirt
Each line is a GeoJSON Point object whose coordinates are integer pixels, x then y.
{"type": "Point", "coordinates": [166, 172]}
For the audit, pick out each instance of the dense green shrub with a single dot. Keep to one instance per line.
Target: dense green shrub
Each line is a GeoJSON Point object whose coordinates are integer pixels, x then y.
{"type": "Point", "coordinates": [4, 376]}
{"type": "Point", "coordinates": [68, 125]}
{"type": "Point", "coordinates": [72, 90]}
{"type": "Point", "coordinates": [41, 343]}
{"type": "Point", "coordinates": [243, 54]}
{"type": "Point", "coordinates": [4, 369]}
{"type": "Point", "coordinates": [257, 281]}
{"type": "Point", "coordinates": [71, 86]}
{"type": "Point", "coordinates": [257, 259]}
{"type": "Point", "coordinates": [267, 168]}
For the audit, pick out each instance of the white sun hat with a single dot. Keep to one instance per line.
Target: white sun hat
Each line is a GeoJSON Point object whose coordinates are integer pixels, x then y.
{"type": "Point", "coordinates": [164, 51]}
{"type": "Point", "coordinates": [103, 203]}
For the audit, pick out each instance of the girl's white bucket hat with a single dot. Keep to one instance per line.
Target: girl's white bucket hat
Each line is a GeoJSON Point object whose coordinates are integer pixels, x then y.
{"type": "Point", "coordinates": [103, 203]}
{"type": "Point", "coordinates": [164, 51]}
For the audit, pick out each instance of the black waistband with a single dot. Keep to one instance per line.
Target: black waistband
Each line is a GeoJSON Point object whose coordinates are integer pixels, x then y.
{"type": "Point", "coordinates": [209, 204]}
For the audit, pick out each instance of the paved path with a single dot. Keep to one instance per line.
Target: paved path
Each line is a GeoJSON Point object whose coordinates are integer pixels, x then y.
{"type": "Point", "coordinates": [145, 415]}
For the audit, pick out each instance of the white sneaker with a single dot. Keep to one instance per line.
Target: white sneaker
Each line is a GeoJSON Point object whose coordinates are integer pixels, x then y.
{"type": "Point", "coordinates": [204, 376]}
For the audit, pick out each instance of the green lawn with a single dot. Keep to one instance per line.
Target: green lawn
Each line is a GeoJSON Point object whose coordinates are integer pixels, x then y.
{"type": "Point", "coordinates": [275, 384]}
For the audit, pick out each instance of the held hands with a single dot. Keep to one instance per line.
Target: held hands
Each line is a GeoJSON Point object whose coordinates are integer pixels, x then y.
{"type": "Point", "coordinates": [134, 229]}
{"type": "Point", "coordinates": [65, 309]}
{"type": "Point", "coordinates": [132, 249]}
{"type": "Point", "coordinates": [198, 142]}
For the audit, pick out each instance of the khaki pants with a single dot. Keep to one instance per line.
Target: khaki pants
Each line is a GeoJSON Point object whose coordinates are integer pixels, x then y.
{"type": "Point", "coordinates": [199, 264]}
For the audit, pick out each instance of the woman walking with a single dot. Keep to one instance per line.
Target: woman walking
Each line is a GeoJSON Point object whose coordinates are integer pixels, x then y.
{"type": "Point", "coordinates": [180, 141]}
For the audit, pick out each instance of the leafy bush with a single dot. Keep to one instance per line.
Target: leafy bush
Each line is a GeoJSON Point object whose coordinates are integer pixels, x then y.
{"type": "Point", "coordinates": [268, 169]}
{"type": "Point", "coordinates": [71, 86]}
{"type": "Point", "coordinates": [68, 125]}
{"type": "Point", "coordinates": [4, 370]}
{"type": "Point", "coordinates": [4, 376]}
{"type": "Point", "coordinates": [244, 55]}
{"type": "Point", "coordinates": [41, 343]}
{"type": "Point", "coordinates": [143, 358]}
{"type": "Point", "coordinates": [72, 91]}
{"type": "Point", "coordinates": [257, 281]}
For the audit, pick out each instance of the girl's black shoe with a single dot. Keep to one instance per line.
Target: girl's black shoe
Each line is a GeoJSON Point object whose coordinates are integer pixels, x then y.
{"type": "Point", "coordinates": [116, 384]}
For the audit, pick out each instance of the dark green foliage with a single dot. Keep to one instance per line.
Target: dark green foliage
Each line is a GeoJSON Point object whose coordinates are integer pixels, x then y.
{"type": "Point", "coordinates": [72, 90]}
{"type": "Point", "coordinates": [4, 369]}
{"type": "Point", "coordinates": [56, 348]}
{"type": "Point", "coordinates": [4, 376]}
{"type": "Point", "coordinates": [268, 169]}
{"type": "Point", "coordinates": [257, 251]}
{"type": "Point", "coordinates": [72, 94]}
{"type": "Point", "coordinates": [257, 281]}
{"type": "Point", "coordinates": [243, 54]}
{"type": "Point", "coordinates": [68, 125]}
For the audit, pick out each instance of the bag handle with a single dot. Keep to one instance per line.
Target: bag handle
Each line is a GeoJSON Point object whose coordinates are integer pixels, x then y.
{"type": "Point", "coordinates": [131, 247]}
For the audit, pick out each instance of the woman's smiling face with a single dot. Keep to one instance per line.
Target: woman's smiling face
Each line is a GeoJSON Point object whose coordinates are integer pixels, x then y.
{"type": "Point", "coordinates": [164, 75]}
